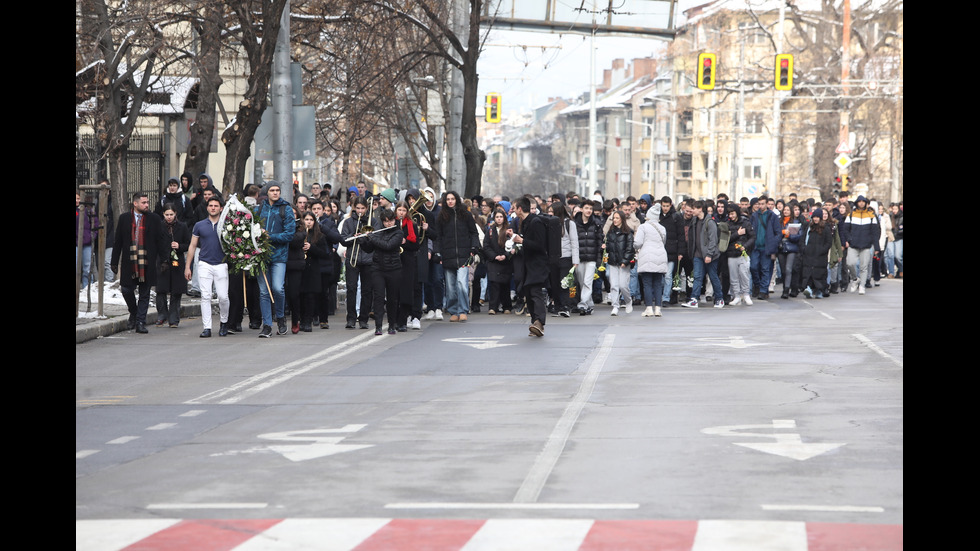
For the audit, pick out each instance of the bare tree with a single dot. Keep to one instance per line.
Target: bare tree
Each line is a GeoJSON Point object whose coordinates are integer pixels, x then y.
{"type": "Point", "coordinates": [433, 19]}
{"type": "Point", "coordinates": [258, 23]}
{"type": "Point", "coordinates": [127, 44]}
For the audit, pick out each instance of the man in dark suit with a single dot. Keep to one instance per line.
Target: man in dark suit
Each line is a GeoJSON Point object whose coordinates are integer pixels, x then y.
{"type": "Point", "coordinates": [533, 238]}
{"type": "Point", "coordinates": [135, 256]}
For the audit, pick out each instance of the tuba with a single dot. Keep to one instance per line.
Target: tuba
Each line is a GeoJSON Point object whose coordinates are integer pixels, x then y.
{"type": "Point", "coordinates": [414, 211]}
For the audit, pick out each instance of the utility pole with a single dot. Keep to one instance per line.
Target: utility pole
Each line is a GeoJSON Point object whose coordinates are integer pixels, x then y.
{"type": "Point", "coordinates": [282, 107]}
{"type": "Point", "coordinates": [777, 100]}
{"type": "Point", "coordinates": [457, 166]}
{"type": "Point", "coordinates": [845, 74]}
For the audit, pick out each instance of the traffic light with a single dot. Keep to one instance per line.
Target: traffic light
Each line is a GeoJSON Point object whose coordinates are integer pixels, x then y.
{"type": "Point", "coordinates": [706, 71]}
{"type": "Point", "coordinates": [837, 186]}
{"type": "Point", "coordinates": [784, 72]}
{"type": "Point", "coordinates": [493, 107]}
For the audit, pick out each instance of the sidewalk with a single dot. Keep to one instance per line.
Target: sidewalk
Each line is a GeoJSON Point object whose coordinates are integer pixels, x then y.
{"type": "Point", "coordinates": [89, 326]}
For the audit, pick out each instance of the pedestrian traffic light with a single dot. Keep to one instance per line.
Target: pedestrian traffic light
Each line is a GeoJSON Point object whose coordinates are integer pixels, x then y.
{"type": "Point", "coordinates": [784, 72]}
{"type": "Point", "coordinates": [493, 107]}
{"type": "Point", "coordinates": [706, 71]}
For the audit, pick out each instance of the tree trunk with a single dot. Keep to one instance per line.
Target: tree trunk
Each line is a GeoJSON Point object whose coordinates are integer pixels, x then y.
{"type": "Point", "coordinates": [201, 132]}
{"type": "Point", "coordinates": [238, 136]}
{"type": "Point", "coordinates": [471, 149]}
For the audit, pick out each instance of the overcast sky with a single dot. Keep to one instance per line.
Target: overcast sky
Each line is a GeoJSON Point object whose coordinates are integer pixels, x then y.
{"type": "Point", "coordinates": [527, 78]}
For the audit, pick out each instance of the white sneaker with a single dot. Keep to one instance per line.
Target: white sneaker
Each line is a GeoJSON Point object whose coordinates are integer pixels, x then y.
{"type": "Point", "coordinates": [747, 299]}
{"type": "Point", "coordinates": [693, 303]}
{"type": "Point", "coordinates": [657, 312]}
{"type": "Point", "coordinates": [719, 304]}
{"type": "Point", "coordinates": [736, 301]}
{"type": "Point", "coordinates": [629, 306]}
{"type": "Point", "coordinates": [648, 313]}
{"type": "Point", "coordinates": [415, 323]}
{"type": "Point", "coordinates": [431, 314]}
{"type": "Point", "coordinates": [615, 310]}
{"type": "Point", "coordinates": [438, 314]}
{"type": "Point", "coordinates": [861, 289]}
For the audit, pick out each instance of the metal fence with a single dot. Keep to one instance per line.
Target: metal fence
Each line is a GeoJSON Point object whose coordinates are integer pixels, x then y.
{"type": "Point", "coordinates": [144, 165]}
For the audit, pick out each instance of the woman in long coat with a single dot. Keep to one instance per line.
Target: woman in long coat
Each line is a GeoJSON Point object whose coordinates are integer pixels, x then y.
{"type": "Point", "coordinates": [171, 283]}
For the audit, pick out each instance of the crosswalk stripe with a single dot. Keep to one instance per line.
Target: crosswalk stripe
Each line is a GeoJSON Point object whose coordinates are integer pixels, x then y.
{"type": "Point", "coordinates": [322, 534]}
{"type": "Point", "coordinates": [385, 534]}
{"type": "Point", "coordinates": [521, 535]}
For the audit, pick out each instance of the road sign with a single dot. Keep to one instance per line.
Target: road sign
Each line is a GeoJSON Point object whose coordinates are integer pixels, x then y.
{"type": "Point", "coordinates": [843, 147]}
{"type": "Point", "coordinates": [843, 160]}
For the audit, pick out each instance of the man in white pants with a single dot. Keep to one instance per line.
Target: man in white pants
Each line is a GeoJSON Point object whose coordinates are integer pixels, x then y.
{"type": "Point", "coordinates": [211, 267]}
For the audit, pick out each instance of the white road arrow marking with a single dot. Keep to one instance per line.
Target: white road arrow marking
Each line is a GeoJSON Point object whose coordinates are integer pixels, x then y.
{"type": "Point", "coordinates": [319, 446]}
{"type": "Point", "coordinates": [480, 343]}
{"type": "Point", "coordinates": [319, 443]}
{"type": "Point", "coordinates": [733, 342]}
{"type": "Point", "coordinates": [786, 444]}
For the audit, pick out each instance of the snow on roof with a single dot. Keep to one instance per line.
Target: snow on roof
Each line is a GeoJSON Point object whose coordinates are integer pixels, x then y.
{"type": "Point", "coordinates": [614, 98]}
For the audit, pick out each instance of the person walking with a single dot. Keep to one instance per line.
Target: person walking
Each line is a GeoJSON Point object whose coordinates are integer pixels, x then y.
{"type": "Point", "coordinates": [172, 284]}
{"type": "Point", "coordinates": [212, 269]}
{"type": "Point", "coordinates": [652, 264]}
{"type": "Point", "coordinates": [620, 254]}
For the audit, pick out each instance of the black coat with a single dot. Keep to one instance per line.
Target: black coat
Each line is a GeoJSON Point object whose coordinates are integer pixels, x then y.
{"type": "Point", "coordinates": [619, 246]}
{"type": "Point", "coordinates": [154, 242]}
{"type": "Point", "coordinates": [308, 262]}
{"type": "Point", "coordinates": [384, 248]}
{"type": "Point", "coordinates": [498, 271]}
{"type": "Point", "coordinates": [675, 244]}
{"type": "Point", "coordinates": [534, 250]}
{"type": "Point", "coordinates": [815, 246]}
{"type": "Point", "coordinates": [172, 278]}
{"type": "Point", "coordinates": [456, 237]}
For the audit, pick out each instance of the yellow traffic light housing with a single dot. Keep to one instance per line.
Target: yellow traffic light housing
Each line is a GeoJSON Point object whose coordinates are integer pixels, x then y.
{"type": "Point", "coordinates": [493, 107]}
{"type": "Point", "coordinates": [706, 71]}
{"type": "Point", "coordinates": [784, 72]}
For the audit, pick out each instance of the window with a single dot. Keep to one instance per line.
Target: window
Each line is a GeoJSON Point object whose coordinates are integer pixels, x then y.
{"type": "Point", "coordinates": [752, 168]}
{"type": "Point", "coordinates": [753, 123]}
{"type": "Point", "coordinates": [649, 126]}
{"type": "Point", "coordinates": [752, 34]}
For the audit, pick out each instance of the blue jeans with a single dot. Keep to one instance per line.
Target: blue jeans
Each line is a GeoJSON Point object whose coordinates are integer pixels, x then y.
{"type": "Point", "coordinates": [433, 289]}
{"type": "Point", "coordinates": [458, 291]}
{"type": "Point", "coordinates": [634, 282]}
{"type": "Point", "coordinates": [653, 288]}
{"type": "Point", "coordinates": [761, 267]}
{"type": "Point", "coordinates": [86, 264]}
{"type": "Point", "coordinates": [276, 277]}
{"type": "Point", "coordinates": [668, 281]}
{"type": "Point", "coordinates": [700, 267]}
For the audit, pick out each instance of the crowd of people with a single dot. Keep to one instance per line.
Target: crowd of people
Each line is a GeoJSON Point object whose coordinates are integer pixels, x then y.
{"type": "Point", "coordinates": [407, 256]}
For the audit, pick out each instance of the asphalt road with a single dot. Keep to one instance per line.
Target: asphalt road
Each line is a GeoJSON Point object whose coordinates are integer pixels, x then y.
{"type": "Point", "coordinates": [787, 410]}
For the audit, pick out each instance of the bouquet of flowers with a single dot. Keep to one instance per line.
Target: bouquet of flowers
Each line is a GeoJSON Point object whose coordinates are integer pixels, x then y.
{"type": "Point", "coordinates": [247, 248]}
{"type": "Point", "coordinates": [568, 282]}
{"type": "Point", "coordinates": [740, 248]}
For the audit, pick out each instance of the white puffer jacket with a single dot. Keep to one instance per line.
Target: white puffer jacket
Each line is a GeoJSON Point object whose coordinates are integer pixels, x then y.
{"type": "Point", "coordinates": [649, 240]}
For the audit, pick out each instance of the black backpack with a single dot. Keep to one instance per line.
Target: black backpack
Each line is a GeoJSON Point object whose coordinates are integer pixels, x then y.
{"type": "Point", "coordinates": [553, 227]}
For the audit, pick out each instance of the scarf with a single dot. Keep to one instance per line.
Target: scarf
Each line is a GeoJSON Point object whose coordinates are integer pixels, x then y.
{"type": "Point", "coordinates": [137, 249]}
{"type": "Point", "coordinates": [409, 229]}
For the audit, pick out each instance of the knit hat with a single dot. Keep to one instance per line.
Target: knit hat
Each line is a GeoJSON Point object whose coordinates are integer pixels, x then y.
{"type": "Point", "coordinates": [352, 188]}
{"type": "Point", "coordinates": [389, 194]}
{"type": "Point", "coordinates": [504, 205]}
{"type": "Point", "coordinates": [817, 213]}
{"type": "Point", "coordinates": [654, 211]}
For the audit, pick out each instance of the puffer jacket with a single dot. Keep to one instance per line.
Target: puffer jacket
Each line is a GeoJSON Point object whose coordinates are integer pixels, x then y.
{"type": "Point", "coordinates": [673, 222]}
{"type": "Point", "coordinates": [279, 221]}
{"type": "Point", "coordinates": [861, 229]}
{"type": "Point", "coordinates": [383, 246]}
{"type": "Point", "coordinates": [619, 246]}
{"type": "Point", "coordinates": [651, 253]}
{"type": "Point", "coordinates": [589, 238]}
{"type": "Point", "coordinates": [747, 240]}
